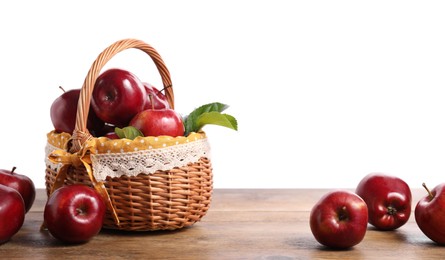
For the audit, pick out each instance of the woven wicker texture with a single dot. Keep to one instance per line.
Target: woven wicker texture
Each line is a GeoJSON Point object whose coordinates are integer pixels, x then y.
{"type": "Point", "coordinates": [164, 200]}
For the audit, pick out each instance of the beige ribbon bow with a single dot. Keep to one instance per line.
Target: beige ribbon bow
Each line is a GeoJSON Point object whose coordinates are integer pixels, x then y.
{"type": "Point", "coordinates": [79, 159]}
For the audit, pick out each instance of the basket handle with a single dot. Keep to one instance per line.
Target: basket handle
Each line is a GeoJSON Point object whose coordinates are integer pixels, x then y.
{"type": "Point", "coordinates": [80, 133]}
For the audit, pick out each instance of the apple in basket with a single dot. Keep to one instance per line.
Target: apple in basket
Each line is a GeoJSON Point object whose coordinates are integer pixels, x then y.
{"type": "Point", "coordinates": [117, 96]}
{"type": "Point", "coordinates": [21, 183]}
{"type": "Point", "coordinates": [157, 122]}
{"type": "Point", "coordinates": [63, 113]}
{"type": "Point", "coordinates": [157, 119]}
{"type": "Point", "coordinates": [155, 99]}
{"type": "Point", "coordinates": [12, 213]}
{"type": "Point", "coordinates": [108, 131]}
{"type": "Point", "coordinates": [112, 135]}
{"type": "Point", "coordinates": [74, 213]}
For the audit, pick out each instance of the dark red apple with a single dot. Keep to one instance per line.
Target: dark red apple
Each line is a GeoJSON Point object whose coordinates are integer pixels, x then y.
{"type": "Point", "coordinates": [388, 198]}
{"type": "Point", "coordinates": [118, 95]}
{"type": "Point", "coordinates": [12, 213]}
{"type": "Point", "coordinates": [21, 183]}
{"type": "Point", "coordinates": [430, 214]}
{"type": "Point", "coordinates": [157, 122]}
{"type": "Point", "coordinates": [107, 128]}
{"type": "Point", "coordinates": [74, 213]}
{"type": "Point", "coordinates": [339, 219]}
{"type": "Point", "coordinates": [155, 98]}
{"type": "Point", "coordinates": [63, 113]}
{"type": "Point", "coordinates": [112, 135]}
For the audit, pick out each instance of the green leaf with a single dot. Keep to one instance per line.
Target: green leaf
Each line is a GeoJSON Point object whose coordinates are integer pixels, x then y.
{"type": "Point", "coordinates": [216, 118]}
{"type": "Point", "coordinates": [190, 121]}
{"type": "Point", "coordinates": [129, 132]}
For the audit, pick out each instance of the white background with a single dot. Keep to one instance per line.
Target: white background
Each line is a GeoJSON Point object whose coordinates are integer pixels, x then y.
{"type": "Point", "coordinates": [324, 91]}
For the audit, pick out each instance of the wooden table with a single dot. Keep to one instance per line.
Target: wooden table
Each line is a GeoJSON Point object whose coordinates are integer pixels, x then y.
{"type": "Point", "coordinates": [241, 224]}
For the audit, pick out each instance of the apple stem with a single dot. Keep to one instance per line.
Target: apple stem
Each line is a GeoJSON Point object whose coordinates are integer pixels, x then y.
{"type": "Point", "coordinates": [164, 89]}
{"type": "Point", "coordinates": [430, 195]}
{"type": "Point", "coordinates": [62, 88]}
{"type": "Point", "coordinates": [13, 169]}
{"type": "Point", "coordinates": [150, 96]}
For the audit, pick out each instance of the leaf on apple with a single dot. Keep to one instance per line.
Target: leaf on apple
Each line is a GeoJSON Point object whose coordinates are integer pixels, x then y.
{"type": "Point", "coordinates": [209, 114]}
{"type": "Point", "coordinates": [129, 132]}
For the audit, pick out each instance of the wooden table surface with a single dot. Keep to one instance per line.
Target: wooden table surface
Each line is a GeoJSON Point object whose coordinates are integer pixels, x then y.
{"type": "Point", "coordinates": [241, 224]}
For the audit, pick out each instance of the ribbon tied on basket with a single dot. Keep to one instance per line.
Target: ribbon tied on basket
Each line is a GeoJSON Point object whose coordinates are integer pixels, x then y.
{"type": "Point", "coordinates": [79, 159]}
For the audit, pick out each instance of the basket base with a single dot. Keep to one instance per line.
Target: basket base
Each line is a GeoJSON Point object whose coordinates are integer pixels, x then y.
{"type": "Point", "coordinates": [164, 200]}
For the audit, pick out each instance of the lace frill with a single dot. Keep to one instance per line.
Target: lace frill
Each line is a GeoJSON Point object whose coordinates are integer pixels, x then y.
{"type": "Point", "coordinates": [142, 161]}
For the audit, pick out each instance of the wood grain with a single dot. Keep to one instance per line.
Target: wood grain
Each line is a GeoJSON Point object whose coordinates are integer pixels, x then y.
{"type": "Point", "coordinates": [241, 224]}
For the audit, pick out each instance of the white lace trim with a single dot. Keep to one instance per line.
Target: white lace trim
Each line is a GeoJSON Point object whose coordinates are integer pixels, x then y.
{"type": "Point", "coordinates": [148, 161]}
{"type": "Point", "coordinates": [49, 148]}
{"type": "Point", "coordinates": [143, 161]}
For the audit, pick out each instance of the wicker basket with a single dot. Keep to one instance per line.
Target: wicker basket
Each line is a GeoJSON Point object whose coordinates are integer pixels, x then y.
{"type": "Point", "coordinates": [170, 197]}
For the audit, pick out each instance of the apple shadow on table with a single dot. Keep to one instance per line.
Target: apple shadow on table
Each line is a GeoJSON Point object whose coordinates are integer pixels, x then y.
{"type": "Point", "coordinates": [308, 242]}
{"type": "Point", "coordinates": [38, 239]}
{"type": "Point", "coordinates": [408, 237]}
{"type": "Point", "coordinates": [43, 238]}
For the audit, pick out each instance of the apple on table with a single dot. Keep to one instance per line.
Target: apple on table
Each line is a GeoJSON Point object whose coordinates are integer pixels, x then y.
{"type": "Point", "coordinates": [388, 198]}
{"type": "Point", "coordinates": [12, 213]}
{"type": "Point", "coordinates": [339, 219]}
{"type": "Point", "coordinates": [74, 213]}
{"type": "Point", "coordinates": [21, 183]}
{"type": "Point", "coordinates": [430, 214]}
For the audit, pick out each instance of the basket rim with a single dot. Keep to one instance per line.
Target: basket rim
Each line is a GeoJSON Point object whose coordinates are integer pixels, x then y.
{"type": "Point", "coordinates": [59, 140]}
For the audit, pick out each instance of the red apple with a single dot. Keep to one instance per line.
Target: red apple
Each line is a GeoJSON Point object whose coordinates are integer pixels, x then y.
{"type": "Point", "coordinates": [156, 122]}
{"type": "Point", "coordinates": [107, 128]}
{"type": "Point", "coordinates": [12, 213]}
{"type": "Point", "coordinates": [21, 183]}
{"type": "Point", "coordinates": [388, 198]}
{"type": "Point", "coordinates": [112, 135]}
{"type": "Point", "coordinates": [155, 98]}
{"type": "Point", "coordinates": [74, 213]}
{"type": "Point", "coordinates": [63, 113]}
{"type": "Point", "coordinates": [430, 214]}
{"type": "Point", "coordinates": [118, 95]}
{"type": "Point", "coordinates": [339, 219]}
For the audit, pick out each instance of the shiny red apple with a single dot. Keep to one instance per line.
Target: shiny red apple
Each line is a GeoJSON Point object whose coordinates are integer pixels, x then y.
{"type": "Point", "coordinates": [157, 122]}
{"type": "Point", "coordinates": [339, 219]}
{"type": "Point", "coordinates": [74, 213]}
{"type": "Point", "coordinates": [117, 96]}
{"type": "Point", "coordinates": [12, 213]}
{"type": "Point", "coordinates": [430, 214]}
{"type": "Point", "coordinates": [388, 198]}
{"type": "Point", "coordinates": [155, 98]}
{"type": "Point", "coordinates": [21, 183]}
{"type": "Point", "coordinates": [63, 113]}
